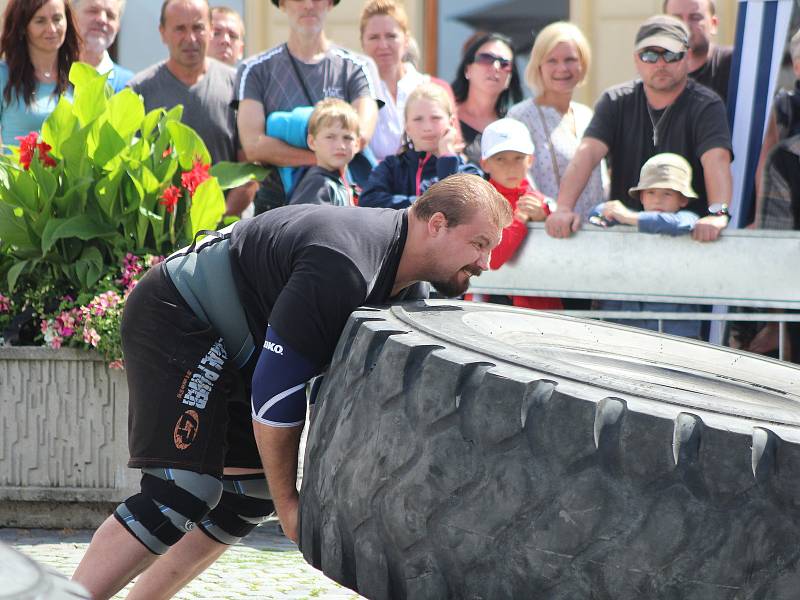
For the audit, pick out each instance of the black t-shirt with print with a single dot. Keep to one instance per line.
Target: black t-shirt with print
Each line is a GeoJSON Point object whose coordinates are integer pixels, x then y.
{"type": "Point", "coordinates": [303, 269]}
{"type": "Point", "coordinates": [695, 123]}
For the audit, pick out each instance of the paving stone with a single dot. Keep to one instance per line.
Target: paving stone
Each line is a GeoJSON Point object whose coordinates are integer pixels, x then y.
{"type": "Point", "coordinates": [264, 565]}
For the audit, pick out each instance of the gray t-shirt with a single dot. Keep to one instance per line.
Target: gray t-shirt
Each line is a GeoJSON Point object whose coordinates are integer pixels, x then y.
{"type": "Point", "coordinates": [206, 105]}
{"type": "Point", "coordinates": [271, 79]}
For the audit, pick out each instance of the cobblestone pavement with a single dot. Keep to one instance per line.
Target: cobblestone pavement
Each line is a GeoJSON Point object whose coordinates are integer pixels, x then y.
{"type": "Point", "coordinates": [265, 566]}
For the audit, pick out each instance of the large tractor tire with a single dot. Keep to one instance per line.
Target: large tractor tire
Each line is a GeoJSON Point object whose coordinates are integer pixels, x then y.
{"type": "Point", "coordinates": [463, 450]}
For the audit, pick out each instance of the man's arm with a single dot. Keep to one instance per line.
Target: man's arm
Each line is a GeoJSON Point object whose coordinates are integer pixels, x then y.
{"type": "Point", "coordinates": [259, 147]}
{"type": "Point", "coordinates": [564, 221]}
{"type": "Point", "coordinates": [278, 448]}
{"type": "Point", "coordinates": [367, 110]}
{"type": "Point", "coordinates": [719, 189]}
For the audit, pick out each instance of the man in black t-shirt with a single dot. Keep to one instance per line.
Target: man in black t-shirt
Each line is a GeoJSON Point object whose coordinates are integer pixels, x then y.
{"type": "Point", "coordinates": [709, 63]}
{"type": "Point", "coordinates": [663, 112]}
{"type": "Point", "coordinates": [219, 343]}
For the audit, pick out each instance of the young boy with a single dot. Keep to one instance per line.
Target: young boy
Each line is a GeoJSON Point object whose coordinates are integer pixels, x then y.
{"type": "Point", "coordinates": [333, 136]}
{"type": "Point", "coordinates": [665, 188]}
{"type": "Point", "coordinates": [506, 156]}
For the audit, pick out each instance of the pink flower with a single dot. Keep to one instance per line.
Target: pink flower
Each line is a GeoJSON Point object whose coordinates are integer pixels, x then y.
{"type": "Point", "coordinates": [116, 364]}
{"type": "Point", "coordinates": [130, 269]}
{"type": "Point", "coordinates": [191, 180]}
{"type": "Point", "coordinates": [5, 304]}
{"type": "Point", "coordinates": [154, 260]}
{"type": "Point", "coordinates": [55, 342]}
{"type": "Point", "coordinates": [90, 336]}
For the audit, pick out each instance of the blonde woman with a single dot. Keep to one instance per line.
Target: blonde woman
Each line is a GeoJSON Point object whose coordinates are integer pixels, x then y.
{"type": "Point", "coordinates": [559, 62]}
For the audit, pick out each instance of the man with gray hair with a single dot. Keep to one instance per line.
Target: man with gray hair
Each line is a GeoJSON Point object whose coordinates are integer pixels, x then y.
{"type": "Point", "coordinates": [98, 23]}
{"type": "Point", "coordinates": [664, 111]}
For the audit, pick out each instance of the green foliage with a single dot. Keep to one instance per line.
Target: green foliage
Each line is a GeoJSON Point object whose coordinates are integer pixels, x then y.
{"type": "Point", "coordinates": [89, 192]}
{"type": "Point", "coordinates": [74, 203]}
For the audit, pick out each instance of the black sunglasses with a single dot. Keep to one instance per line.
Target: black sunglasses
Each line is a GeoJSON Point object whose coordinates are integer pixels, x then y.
{"type": "Point", "coordinates": [651, 56]}
{"type": "Point", "coordinates": [487, 59]}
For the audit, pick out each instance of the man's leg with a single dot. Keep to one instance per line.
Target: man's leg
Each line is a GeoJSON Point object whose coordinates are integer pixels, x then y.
{"type": "Point", "coordinates": [114, 558]}
{"type": "Point", "coordinates": [184, 561]}
{"type": "Point", "coordinates": [244, 504]}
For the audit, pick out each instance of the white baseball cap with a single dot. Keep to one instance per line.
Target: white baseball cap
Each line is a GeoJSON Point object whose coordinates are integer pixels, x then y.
{"type": "Point", "coordinates": [505, 134]}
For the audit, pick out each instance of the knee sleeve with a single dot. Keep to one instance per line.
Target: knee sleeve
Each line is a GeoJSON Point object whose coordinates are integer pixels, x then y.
{"type": "Point", "coordinates": [169, 505]}
{"type": "Point", "coordinates": [245, 504]}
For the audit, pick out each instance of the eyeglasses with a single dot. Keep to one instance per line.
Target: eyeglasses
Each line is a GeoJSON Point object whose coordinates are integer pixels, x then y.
{"type": "Point", "coordinates": [651, 56]}
{"type": "Point", "coordinates": [487, 59]}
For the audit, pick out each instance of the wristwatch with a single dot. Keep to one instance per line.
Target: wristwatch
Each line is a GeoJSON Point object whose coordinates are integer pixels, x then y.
{"type": "Point", "coordinates": [718, 209]}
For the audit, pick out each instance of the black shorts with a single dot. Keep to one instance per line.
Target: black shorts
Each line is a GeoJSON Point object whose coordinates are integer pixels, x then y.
{"type": "Point", "coordinates": [189, 409]}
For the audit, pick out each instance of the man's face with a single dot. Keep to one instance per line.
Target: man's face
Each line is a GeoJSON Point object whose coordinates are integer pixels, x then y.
{"type": "Point", "coordinates": [662, 76]}
{"type": "Point", "coordinates": [460, 252]}
{"type": "Point", "coordinates": [698, 18]}
{"type": "Point", "coordinates": [98, 23]}
{"type": "Point", "coordinates": [306, 17]}
{"type": "Point", "coordinates": [186, 32]}
{"type": "Point", "coordinates": [227, 38]}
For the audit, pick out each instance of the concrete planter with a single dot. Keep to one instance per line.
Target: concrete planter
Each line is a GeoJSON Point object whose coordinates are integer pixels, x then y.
{"type": "Point", "coordinates": [63, 438]}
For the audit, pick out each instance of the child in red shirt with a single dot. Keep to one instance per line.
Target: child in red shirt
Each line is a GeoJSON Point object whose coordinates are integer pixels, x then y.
{"type": "Point", "coordinates": [506, 156]}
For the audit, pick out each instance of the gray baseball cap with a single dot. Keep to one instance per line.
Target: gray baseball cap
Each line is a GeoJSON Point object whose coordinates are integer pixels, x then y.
{"type": "Point", "coordinates": [668, 171]}
{"type": "Point", "coordinates": [663, 31]}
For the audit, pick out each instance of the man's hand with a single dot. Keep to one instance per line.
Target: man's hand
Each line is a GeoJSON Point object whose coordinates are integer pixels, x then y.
{"type": "Point", "coordinates": [562, 224]}
{"type": "Point", "coordinates": [708, 229]}
{"type": "Point", "coordinates": [287, 514]}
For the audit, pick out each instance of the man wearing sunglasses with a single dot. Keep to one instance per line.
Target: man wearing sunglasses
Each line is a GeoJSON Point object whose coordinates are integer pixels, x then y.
{"type": "Point", "coordinates": [663, 111]}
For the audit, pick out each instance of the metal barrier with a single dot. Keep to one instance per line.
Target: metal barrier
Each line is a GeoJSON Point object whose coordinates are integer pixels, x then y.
{"type": "Point", "coordinates": [747, 268]}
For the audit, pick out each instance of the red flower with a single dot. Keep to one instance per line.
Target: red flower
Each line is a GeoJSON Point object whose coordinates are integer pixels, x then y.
{"type": "Point", "coordinates": [47, 160]}
{"type": "Point", "coordinates": [170, 197]}
{"type": "Point", "coordinates": [191, 180]}
{"type": "Point", "coordinates": [167, 151]}
{"type": "Point", "coordinates": [28, 144]}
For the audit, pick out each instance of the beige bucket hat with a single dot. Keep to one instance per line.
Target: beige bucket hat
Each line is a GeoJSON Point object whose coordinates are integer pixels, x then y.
{"type": "Point", "coordinates": [665, 170]}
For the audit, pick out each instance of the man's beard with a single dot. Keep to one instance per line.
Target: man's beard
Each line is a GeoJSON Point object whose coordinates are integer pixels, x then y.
{"type": "Point", "coordinates": [454, 286]}
{"type": "Point", "coordinates": [699, 44]}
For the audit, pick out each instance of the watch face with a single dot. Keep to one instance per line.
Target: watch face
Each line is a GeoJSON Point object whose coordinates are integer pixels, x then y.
{"type": "Point", "coordinates": [718, 208]}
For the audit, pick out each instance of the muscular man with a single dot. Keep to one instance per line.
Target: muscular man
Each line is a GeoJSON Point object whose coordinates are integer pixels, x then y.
{"type": "Point", "coordinates": [301, 72]}
{"type": "Point", "coordinates": [227, 35]}
{"type": "Point", "coordinates": [664, 111]}
{"type": "Point", "coordinates": [98, 22]}
{"type": "Point", "coordinates": [219, 343]}
{"type": "Point", "coordinates": [709, 63]}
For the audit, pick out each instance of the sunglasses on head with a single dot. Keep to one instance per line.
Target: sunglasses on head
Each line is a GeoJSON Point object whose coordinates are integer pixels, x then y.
{"type": "Point", "coordinates": [651, 56]}
{"type": "Point", "coordinates": [487, 59]}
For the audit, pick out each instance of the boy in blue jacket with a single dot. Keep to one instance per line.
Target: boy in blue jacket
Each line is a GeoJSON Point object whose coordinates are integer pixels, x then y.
{"type": "Point", "coordinates": [665, 188]}
{"type": "Point", "coordinates": [428, 156]}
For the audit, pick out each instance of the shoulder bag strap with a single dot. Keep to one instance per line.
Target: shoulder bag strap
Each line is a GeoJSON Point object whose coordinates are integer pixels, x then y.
{"type": "Point", "coordinates": [549, 143]}
{"type": "Point", "coordinates": [300, 78]}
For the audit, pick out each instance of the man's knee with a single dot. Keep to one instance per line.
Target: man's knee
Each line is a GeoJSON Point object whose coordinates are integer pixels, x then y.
{"type": "Point", "coordinates": [169, 505]}
{"type": "Point", "coordinates": [244, 505]}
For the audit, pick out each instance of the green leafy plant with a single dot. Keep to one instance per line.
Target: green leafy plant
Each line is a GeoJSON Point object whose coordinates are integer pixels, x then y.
{"type": "Point", "coordinates": [104, 180]}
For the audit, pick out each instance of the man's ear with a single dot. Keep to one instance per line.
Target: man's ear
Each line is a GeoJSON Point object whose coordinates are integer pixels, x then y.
{"type": "Point", "coordinates": [437, 224]}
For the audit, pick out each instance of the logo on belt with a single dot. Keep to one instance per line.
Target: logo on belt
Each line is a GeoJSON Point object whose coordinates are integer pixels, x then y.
{"type": "Point", "coordinates": [186, 429]}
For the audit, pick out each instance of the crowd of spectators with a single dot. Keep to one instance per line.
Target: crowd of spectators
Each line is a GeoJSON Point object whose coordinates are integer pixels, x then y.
{"type": "Point", "coordinates": [394, 130]}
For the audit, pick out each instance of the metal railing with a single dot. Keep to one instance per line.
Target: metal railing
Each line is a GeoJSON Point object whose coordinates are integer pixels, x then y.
{"type": "Point", "coordinates": [758, 269]}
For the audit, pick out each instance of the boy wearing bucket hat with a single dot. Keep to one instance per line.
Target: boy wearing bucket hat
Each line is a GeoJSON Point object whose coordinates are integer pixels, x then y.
{"type": "Point", "coordinates": [664, 189]}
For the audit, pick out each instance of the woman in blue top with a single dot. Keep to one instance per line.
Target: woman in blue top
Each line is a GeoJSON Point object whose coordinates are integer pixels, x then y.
{"type": "Point", "coordinates": [39, 43]}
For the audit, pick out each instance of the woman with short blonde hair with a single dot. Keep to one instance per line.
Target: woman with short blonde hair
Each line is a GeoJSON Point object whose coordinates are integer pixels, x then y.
{"type": "Point", "coordinates": [559, 62]}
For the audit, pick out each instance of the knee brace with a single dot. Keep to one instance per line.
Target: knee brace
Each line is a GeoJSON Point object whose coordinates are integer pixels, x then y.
{"type": "Point", "coordinates": [169, 505]}
{"type": "Point", "coordinates": [244, 505]}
